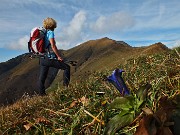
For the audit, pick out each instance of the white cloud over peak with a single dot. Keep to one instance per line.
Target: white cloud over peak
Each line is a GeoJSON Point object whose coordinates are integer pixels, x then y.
{"type": "Point", "coordinates": [73, 32]}
{"type": "Point", "coordinates": [117, 21]}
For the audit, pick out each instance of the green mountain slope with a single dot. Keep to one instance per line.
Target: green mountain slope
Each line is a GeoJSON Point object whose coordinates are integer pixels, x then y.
{"type": "Point", "coordinates": [94, 55]}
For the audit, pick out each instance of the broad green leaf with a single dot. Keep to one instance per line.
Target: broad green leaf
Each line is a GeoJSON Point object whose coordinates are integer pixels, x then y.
{"type": "Point", "coordinates": [124, 103]}
{"type": "Point", "coordinates": [117, 122]}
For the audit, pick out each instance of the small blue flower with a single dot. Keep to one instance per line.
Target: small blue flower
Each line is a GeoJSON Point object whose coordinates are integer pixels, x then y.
{"type": "Point", "coordinates": [117, 80]}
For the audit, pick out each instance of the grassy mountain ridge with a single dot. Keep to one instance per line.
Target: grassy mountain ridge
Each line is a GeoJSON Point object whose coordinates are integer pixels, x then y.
{"type": "Point", "coordinates": [5, 66]}
{"type": "Point", "coordinates": [93, 55]}
{"type": "Point", "coordinates": [105, 53]}
{"type": "Point", "coordinates": [79, 110]}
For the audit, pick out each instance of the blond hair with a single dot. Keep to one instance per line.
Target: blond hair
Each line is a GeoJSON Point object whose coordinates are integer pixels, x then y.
{"type": "Point", "coordinates": [49, 23]}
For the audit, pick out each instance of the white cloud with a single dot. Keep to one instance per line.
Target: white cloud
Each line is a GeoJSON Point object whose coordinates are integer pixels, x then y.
{"type": "Point", "coordinates": [72, 33]}
{"type": "Point", "coordinates": [156, 14]}
{"type": "Point", "coordinates": [69, 36]}
{"type": "Point", "coordinates": [21, 44]}
{"type": "Point", "coordinates": [118, 21]}
{"type": "Point", "coordinates": [172, 43]}
{"type": "Point", "coordinates": [177, 43]}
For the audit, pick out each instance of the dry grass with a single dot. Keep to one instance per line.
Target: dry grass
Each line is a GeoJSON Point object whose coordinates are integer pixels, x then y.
{"type": "Point", "coordinates": [79, 110]}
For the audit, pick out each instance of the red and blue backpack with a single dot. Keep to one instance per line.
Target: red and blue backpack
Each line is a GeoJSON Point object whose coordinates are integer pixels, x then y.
{"type": "Point", "coordinates": [36, 43]}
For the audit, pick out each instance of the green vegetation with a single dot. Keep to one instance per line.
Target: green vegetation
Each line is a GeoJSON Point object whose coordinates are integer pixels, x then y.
{"type": "Point", "coordinates": [79, 109]}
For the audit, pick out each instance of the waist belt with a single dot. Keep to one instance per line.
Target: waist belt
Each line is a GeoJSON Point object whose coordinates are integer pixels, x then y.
{"type": "Point", "coordinates": [51, 56]}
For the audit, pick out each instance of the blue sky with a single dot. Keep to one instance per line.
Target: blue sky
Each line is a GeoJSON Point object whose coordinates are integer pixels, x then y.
{"type": "Point", "coordinates": [137, 22]}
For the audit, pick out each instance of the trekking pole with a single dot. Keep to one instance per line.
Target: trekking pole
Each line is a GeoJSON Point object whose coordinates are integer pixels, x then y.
{"type": "Point", "coordinates": [73, 63]}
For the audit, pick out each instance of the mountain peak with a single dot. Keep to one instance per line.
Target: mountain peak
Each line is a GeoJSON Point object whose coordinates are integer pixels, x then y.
{"type": "Point", "coordinates": [156, 48]}
{"type": "Point", "coordinates": [106, 41]}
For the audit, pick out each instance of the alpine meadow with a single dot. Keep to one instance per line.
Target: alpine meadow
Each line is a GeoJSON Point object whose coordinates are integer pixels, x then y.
{"type": "Point", "coordinates": [91, 105]}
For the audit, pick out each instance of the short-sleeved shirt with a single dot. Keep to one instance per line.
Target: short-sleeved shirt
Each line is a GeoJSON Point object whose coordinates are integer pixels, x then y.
{"type": "Point", "coordinates": [48, 36]}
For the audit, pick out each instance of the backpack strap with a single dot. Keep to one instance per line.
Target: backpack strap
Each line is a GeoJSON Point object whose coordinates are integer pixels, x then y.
{"type": "Point", "coordinates": [29, 44]}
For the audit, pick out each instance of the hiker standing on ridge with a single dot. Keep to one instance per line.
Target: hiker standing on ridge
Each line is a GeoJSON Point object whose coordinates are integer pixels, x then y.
{"type": "Point", "coordinates": [52, 57]}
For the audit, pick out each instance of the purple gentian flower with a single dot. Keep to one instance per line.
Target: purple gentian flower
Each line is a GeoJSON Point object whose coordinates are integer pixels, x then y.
{"type": "Point", "coordinates": [117, 80]}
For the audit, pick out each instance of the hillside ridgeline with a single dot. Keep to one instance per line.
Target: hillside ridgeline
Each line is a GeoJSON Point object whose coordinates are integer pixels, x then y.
{"type": "Point", "coordinates": [19, 75]}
